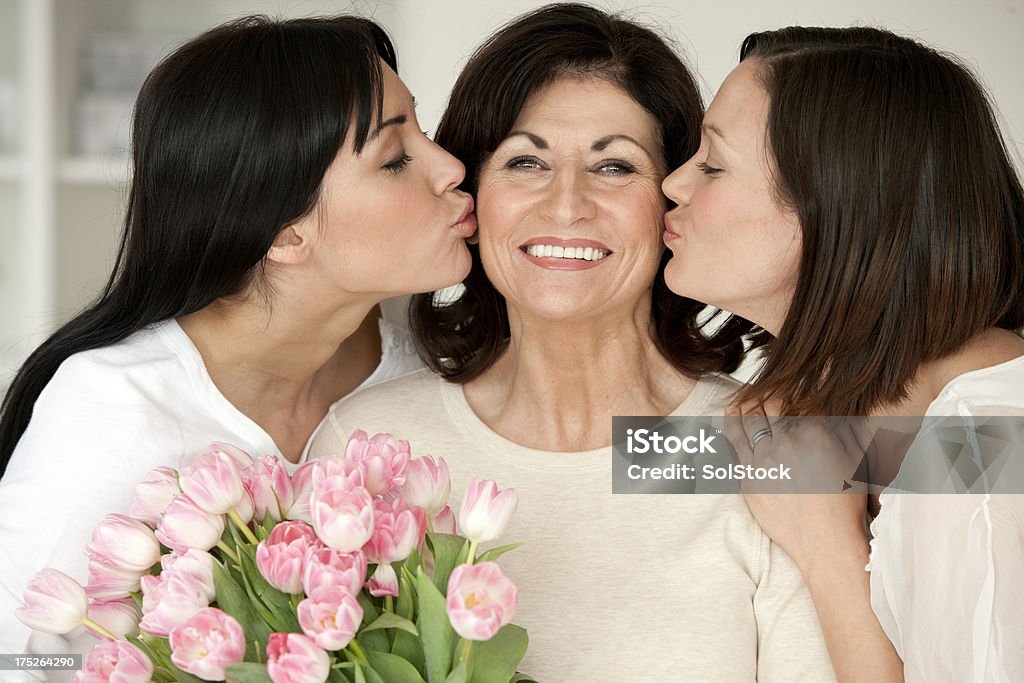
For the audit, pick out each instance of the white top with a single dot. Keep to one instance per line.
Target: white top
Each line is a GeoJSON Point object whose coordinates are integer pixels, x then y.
{"type": "Point", "coordinates": [947, 570]}
{"type": "Point", "coordinates": [626, 587]}
{"type": "Point", "coordinates": [106, 419]}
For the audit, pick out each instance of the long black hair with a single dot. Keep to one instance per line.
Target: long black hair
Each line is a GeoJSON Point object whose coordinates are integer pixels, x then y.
{"type": "Point", "coordinates": [232, 134]}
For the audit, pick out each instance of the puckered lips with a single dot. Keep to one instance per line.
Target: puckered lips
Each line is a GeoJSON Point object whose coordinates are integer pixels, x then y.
{"type": "Point", "coordinates": [465, 224]}
{"type": "Point", "coordinates": [557, 253]}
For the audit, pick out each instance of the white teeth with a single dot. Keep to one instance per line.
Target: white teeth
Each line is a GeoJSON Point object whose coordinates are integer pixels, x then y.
{"type": "Point", "coordinates": [580, 253]}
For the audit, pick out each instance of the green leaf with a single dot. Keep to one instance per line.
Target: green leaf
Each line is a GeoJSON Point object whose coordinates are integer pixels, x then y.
{"type": "Point", "coordinates": [458, 674]}
{"type": "Point", "coordinates": [496, 660]}
{"type": "Point", "coordinates": [410, 649]}
{"type": "Point", "coordinates": [405, 604]}
{"type": "Point", "coordinates": [277, 602]}
{"type": "Point", "coordinates": [233, 599]}
{"type": "Point", "coordinates": [393, 669]}
{"type": "Point", "coordinates": [389, 620]}
{"type": "Point", "coordinates": [247, 672]}
{"type": "Point", "coordinates": [449, 551]}
{"type": "Point", "coordinates": [436, 632]}
{"type": "Point", "coordinates": [494, 553]}
{"type": "Point", "coordinates": [371, 675]}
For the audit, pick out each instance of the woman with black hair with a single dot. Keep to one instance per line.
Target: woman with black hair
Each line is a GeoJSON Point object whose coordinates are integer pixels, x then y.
{"type": "Point", "coordinates": [282, 189]}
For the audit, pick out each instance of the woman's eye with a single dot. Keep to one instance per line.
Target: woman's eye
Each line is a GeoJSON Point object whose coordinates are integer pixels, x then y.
{"type": "Point", "coordinates": [615, 168]}
{"type": "Point", "coordinates": [703, 167]}
{"type": "Point", "coordinates": [397, 165]}
{"type": "Point", "coordinates": [524, 162]}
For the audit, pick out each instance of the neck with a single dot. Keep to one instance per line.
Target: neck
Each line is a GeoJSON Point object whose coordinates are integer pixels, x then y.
{"type": "Point", "coordinates": [283, 368]}
{"type": "Point", "coordinates": [558, 384]}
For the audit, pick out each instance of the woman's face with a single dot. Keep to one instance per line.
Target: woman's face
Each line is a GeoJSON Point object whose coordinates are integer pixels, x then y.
{"type": "Point", "coordinates": [732, 245]}
{"type": "Point", "coordinates": [570, 206]}
{"type": "Point", "coordinates": [389, 219]}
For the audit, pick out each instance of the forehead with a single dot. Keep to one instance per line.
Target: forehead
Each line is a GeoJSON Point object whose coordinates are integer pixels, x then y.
{"type": "Point", "coordinates": [740, 108]}
{"type": "Point", "coordinates": [396, 95]}
{"type": "Point", "coordinates": [588, 107]}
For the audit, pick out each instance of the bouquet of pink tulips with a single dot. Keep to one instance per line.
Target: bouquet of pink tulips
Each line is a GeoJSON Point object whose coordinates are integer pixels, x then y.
{"type": "Point", "coordinates": [350, 570]}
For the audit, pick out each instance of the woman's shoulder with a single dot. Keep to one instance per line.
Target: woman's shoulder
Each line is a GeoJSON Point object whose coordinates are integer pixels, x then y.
{"type": "Point", "coordinates": [412, 390]}
{"type": "Point", "coordinates": [991, 387]}
{"type": "Point", "coordinates": [139, 364]}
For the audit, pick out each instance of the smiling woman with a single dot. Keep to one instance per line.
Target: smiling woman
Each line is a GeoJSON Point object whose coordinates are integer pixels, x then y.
{"type": "Point", "coordinates": [568, 119]}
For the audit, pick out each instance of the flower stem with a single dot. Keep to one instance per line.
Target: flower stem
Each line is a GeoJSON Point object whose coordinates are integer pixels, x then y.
{"type": "Point", "coordinates": [243, 527]}
{"type": "Point", "coordinates": [99, 629]}
{"type": "Point", "coordinates": [430, 527]}
{"type": "Point", "coordinates": [467, 645]}
{"type": "Point", "coordinates": [296, 599]}
{"type": "Point", "coordinates": [358, 650]}
{"type": "Point", "coordinates": [389, 603]}
{"type": "Point", "coordinates": [228, 551]}
{"type": "Point", "coordinates": [472, 552]}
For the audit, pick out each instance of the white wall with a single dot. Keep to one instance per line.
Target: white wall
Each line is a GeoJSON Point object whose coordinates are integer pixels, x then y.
{"type": "Point", "coordinates": [435, 37]}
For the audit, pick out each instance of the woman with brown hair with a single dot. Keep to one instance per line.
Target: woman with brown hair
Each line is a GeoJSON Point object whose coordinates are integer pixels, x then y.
{"type": "Point", "coordinates": [853, 206]}
{"type": "Point", "coordinates": [567, 120]}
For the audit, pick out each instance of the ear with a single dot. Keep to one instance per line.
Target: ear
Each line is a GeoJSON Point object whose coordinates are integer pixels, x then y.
{"type": "Point", "coordinates": [292, 245]}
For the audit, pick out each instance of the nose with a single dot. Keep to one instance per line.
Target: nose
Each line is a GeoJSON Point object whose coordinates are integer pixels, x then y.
{"type": "Point", "coordinates": [678, 184]}
{"type": "Point", "coordinates": [568, 197]}
{"type": "Point", "coordinates": [447, 171]}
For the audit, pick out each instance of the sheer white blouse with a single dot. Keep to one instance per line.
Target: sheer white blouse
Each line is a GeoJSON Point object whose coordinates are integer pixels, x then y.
{"type": "Point", "coordinates": [947, 570]}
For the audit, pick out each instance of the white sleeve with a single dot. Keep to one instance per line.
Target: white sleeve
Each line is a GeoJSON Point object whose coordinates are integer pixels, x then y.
{"type": "Point", "coordinates": [947, 584]}
{"type": "Point", "coordinates": [76, 463]}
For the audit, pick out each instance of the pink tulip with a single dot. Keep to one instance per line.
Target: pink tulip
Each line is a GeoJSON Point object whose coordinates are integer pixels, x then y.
{"type": "Point", "coordinates": [480, 600]}
{"type": "Point", "coordinates": [116, 661]}
{"type": "Point", "coordinates": [314, 471]}
{"type": "Point", "coordinates": [153, 495]}
{"type": "Point", "coordinates": [397, 531]}
{"type": "Point", "coordinates": [444, 521]}
{"type": "Point", "coordinates": [125, 543]}
{"type": "Point", "coordinates": [383, 582]}
{"type": "Point", "coordinates": [330, 617]}
{"type": "Point", "coordinates": [268, 483]}
{"type": "Point", "coordinates": [54, 603]}
{"type": "Point", "coordinates": [281, 557]}
{"type": "Point", "coordinates": [343, 518]}
{"type": "Point", "coordinates": [427, 484]}
{"type": "Point", "coordinates": [108, 582]}
{"type": "Point", "coordinates": [383, 456]}
{"type": "Point", "coordinates": [486, 513]}
{"type": "Point", "coordinates": [295, 658]}
{"type": "Point", "coordinates": [185, 525]}
{"type": "Point", "coordinates": [213, 481]}
{"type": "Point", "coordinates": [207, 644]}
{"type": "Point", "coordinates": [241, 458]}
{"type": "Point", "coordinates": [195, 566]}
{"type": "Point", "coordinates": [119, 617]}
{"type": "Point", "coordinates": [168, 602]}
{"type": "Point", "coordinates": [326, 567]}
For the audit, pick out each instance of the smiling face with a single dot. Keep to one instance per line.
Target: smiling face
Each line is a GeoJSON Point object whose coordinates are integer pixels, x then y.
{"type": "Point", "coordinates": [733, 246]}
{"type": "Point", "coordinates": [569, 204]}
{"type": "Point", "coordinates": [390, 219]}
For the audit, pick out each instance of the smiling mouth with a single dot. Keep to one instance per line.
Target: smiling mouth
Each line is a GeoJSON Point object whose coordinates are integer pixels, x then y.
{"type": "Point", "coordinates": [569, 253]}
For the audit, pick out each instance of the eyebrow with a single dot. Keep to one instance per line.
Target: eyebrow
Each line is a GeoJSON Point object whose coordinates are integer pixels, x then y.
{"type": "Point", "coordinates": [712, 128]}
{"type": "Point", "coordinates": [393, 121]}
{"type": "Point", "coordinates": [599, 144]}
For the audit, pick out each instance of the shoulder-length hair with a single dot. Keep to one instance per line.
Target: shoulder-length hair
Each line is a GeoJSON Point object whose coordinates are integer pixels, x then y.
{"type": "Point", "coordinates": [462, 339]}
{"type": "Point", "coordinates": [231, 137]}
{"type": "Point", "coordinates": [911, 211]}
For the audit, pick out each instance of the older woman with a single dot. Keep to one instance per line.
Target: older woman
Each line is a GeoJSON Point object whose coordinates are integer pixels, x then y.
{"type": "Point", "coordinates": [567, 120]}
{"type": "Point", "coordinates": [867, 226]}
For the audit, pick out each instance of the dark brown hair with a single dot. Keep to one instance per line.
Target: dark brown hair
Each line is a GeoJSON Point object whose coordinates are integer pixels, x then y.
{"type": "Point", "coordinates": [462, 339]}
{"type": "Point", "coordinates": [911, 211]}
